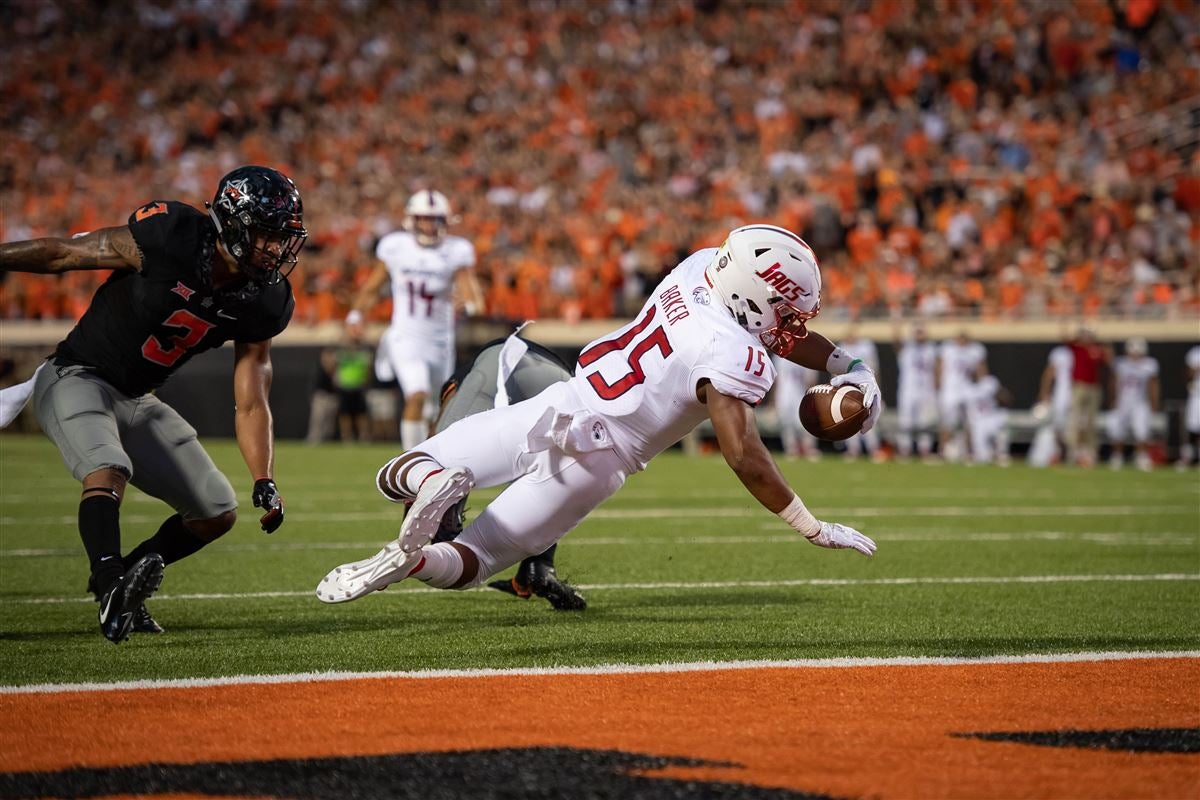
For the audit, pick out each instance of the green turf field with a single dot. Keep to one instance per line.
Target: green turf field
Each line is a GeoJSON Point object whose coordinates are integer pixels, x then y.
{"type": "Point", "coordinates": [682, 565]}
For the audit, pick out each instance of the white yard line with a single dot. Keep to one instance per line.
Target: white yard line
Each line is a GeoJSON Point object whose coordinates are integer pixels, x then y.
{"type": "Point", "coordinates": [602, 669]}
{"type": "Point", "coordinates": [1108, 538]}
{"type": "Point", "coordinates": [670, 585]}
{"type": "Point", "coordinates": [699, 512]}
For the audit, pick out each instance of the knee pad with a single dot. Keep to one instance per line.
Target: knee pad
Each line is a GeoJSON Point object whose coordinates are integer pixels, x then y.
{"type": "Point", "coordinates": [215, 496]}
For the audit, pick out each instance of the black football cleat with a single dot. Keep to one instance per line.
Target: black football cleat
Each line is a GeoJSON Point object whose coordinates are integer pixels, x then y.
{"type": "Point", "coordinates": [144, 623]}
{"type": "Point", "coordinates": [120, 604]}
{"type": "Point", "coordinates": [539, 578]}
{"type": "Point", "coordinates": [452, 522]}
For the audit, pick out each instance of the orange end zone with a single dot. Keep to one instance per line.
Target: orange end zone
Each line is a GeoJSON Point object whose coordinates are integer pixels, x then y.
{"type": "Point", "coordinates": [879, 731]}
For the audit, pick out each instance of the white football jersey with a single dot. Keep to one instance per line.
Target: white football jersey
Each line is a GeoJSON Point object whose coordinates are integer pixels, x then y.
{"type": "Point", "coordinates": [642, 378]}
{"type": "Point", "coordinates": [982, 396]}
{"type": "Point", "coordinates": [917, 366]}
{"type": "Point", "coordinates": [1063, 361]}
{"type": "Point", "coordinates": [1133, 379]}
{"type": "Point", "coordinates": [959, 363]}
{"type": "Point", "coordinates": [423, 282]}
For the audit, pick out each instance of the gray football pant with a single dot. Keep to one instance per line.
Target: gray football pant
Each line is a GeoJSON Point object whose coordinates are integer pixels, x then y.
{"type": "Point", "coordinates": [96, 426]}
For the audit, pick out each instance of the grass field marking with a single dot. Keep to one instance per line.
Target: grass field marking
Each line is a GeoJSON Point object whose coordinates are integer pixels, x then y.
{"type": "Point", "coordinates": [1114, 538]}
{"type": "Point", "coordinates": [327, 490]}
{"type": "Point", "coordinates": [706, 512]}
{"type": "Point", "coordinates": [661, 586]}
{"type": "Point", "coordinates": [601, 669]}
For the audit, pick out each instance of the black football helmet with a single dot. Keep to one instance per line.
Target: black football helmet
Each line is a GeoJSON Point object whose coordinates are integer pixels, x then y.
{"type": "Point", "coordinates": [260, 219]}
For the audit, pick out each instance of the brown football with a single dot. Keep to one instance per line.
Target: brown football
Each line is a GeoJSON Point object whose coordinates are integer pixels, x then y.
{"type": "Point", "coordinates": [833, 413]}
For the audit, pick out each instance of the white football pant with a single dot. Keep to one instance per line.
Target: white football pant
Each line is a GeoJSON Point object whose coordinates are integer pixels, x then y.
{"type": "Point", "coordinates": [551, 492]}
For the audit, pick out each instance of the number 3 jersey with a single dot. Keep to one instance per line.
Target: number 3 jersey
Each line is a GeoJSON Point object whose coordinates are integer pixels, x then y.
{"type": "Point", "coordinates": [143, 325]}
{"type": "Point", "coordinates": [422, 283]}
{"type": "Point", "coordinates": [642, 378]}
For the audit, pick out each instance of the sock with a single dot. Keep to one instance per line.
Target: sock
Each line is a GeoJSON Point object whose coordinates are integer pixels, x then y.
{"type": "Point", "coordinates": [100, 530]}
{"type": "Point", "coordinates": [441, 566]}
{"type": "Point", "coordinates": [399, 479]}
{"type": "Point", "coordinates": [172, 541]}
{"type": "Point", "coordinates": [412, 433]}
{"type": "Point", "coordinates": [545, 557]}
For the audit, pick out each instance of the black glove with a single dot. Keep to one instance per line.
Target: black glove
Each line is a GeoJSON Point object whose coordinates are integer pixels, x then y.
{"type": "Point", "coordinates": [266, 496]}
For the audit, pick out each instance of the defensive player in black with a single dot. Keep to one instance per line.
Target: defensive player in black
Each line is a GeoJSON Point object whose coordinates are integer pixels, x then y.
{"type": "Point", "coordinates": [472, 390]}
{"type": "Point", "coordinates": [182, 282]}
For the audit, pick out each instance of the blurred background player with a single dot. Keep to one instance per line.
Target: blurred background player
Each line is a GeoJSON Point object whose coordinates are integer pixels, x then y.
{"type": "Point", "coordinates": [1189, 452]}
{"type": "Point", "coordinates": [916, 392]}
{"type": "Point", "coordinates": [1134, 391]}
{"type": "Point", "coordinates": [960, 362]}
{"type": "Point", "coordinates": [507, 371]}
{"type": "Point", "coordinates": [430, 271]}
{"type": "Point", "coordinates": [351, 363]}
{"type": "Point", "coordinates": [987, 420]}
{"type": "Point", "coordinates": [1053, 408]}
{"type": "Point", "coordinates": [791, 382]}
{"type": "Point", "coordinates": [861, 348]}
{"type": "Point", "coordinates": [1089, 360]}
{"type": "Point", "coordinates": [323, 402]}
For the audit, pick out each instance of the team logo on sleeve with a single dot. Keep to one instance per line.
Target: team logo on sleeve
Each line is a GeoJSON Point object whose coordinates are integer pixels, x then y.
{"type": "Point", "coordinates": [700, 295]}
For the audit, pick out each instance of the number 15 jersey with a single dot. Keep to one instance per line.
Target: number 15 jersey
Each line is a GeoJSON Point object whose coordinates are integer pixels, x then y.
{"type": "Point", "coordinates": [423, 283]}
{"type": "Point", "coordinates": [642, 378]}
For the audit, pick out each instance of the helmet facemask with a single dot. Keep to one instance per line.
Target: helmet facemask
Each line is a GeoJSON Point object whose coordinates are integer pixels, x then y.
{"type": "Point", "coordinates": [790, 327]}
{"type": "Point", "coordinates": [428, 231]}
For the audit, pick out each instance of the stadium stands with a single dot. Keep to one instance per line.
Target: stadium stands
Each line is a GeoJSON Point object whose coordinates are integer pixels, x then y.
{"type": "Point", "coordinates": [1005, 160]}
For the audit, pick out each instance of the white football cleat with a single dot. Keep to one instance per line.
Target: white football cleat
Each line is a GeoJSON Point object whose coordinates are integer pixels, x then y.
{"type": "Point", "coordinates": [352, 581]}
{"type": "Point", "coordinates": [439, 492]}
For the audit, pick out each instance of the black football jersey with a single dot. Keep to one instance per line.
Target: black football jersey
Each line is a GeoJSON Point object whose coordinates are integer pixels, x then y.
{"type": "Point", "coordinates": [143, 325]}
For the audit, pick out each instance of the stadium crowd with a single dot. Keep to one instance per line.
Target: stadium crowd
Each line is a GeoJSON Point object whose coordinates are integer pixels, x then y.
{"type": "Point", "coordinates": [1005, 159]}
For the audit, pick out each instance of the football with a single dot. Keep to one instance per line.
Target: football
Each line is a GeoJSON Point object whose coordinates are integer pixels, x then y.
{"type": "Point", "coordinates": [833, 413]}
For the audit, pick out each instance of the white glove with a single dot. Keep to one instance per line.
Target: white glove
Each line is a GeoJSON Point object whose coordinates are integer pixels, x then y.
{"type": "Point", "coordinates": [863, 377]}
{"type": "Point", "coordinates": [839, 537]}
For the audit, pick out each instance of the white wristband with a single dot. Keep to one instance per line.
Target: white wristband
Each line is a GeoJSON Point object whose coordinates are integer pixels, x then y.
{"type": "Point", "coordinates": [840, 362]}
{"type": "Point", "coordinates": [800, 518]}
{"type": "Point", "coordinates": [355, 317]}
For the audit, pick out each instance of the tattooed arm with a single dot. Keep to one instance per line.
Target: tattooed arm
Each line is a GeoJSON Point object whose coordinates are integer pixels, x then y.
{"type": "Point", "coordinates": [107, 248]}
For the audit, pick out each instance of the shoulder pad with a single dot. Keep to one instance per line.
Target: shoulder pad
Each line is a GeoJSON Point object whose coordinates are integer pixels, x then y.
{"type": "Point", "coordinates": [169, 233]}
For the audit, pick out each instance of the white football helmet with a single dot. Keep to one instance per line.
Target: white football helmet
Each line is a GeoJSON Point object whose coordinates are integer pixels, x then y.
{"type": "Point", "coordinates": [1136, 347]}
{"type": "Point", "coordinates": [770, 281]}
{"type": "Point", "coordinates": [426, 216]}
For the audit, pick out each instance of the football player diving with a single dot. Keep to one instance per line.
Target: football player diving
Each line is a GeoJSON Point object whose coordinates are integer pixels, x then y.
{"type": "Point", "coordinates": [183, 281]}
{"type": "Point", "coordinates": [698, 349]}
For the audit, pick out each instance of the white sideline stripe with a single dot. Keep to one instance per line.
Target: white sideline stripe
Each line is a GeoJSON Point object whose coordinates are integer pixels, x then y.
{"type": "Point", "coordinates": [1126, 538]}
{"type": "Point", "coordinates": [659, 586]}
{"type": "Point", "coordinates": [327, 490]}
{"type": "Point", "coordinates": [601, 669]}
{"type": "Point", "coordinates": [659, 512]}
